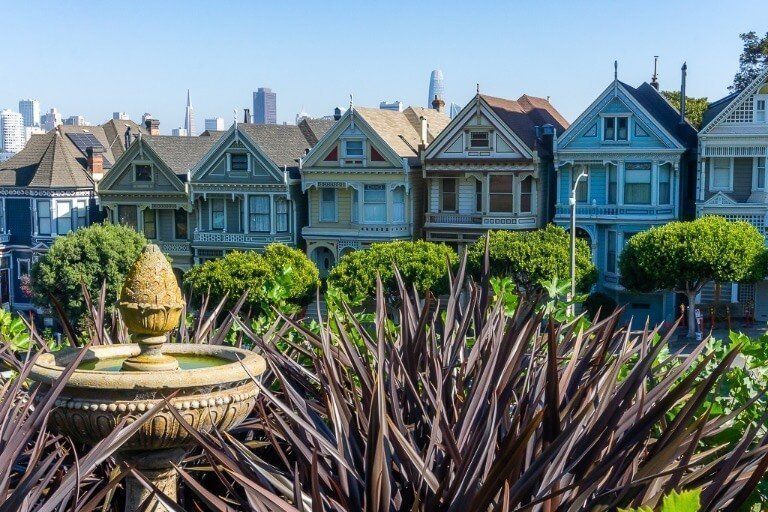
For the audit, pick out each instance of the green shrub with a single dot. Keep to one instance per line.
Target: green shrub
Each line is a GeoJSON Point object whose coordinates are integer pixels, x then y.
{"type": "Point", "coordinates": [94, 255]}
{"type": "Point", "coordinates": [421, 264]}
{"type": "Point", "coordinates": [280, 276]}
{"type": "Point", "coordinates": [530, 258]}
{"type": "Point", "coordinates": [599, 301]}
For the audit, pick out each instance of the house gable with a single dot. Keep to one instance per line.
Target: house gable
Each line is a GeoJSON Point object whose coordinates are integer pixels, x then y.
{"type": "Point", "coordinates": [140, 169]}
{"type": "Point", "coordinates": [455, 140]}
{"type": "Point", "coordinates": [236, 159]}
{"type": "Point", "coordinates": [742, 114]}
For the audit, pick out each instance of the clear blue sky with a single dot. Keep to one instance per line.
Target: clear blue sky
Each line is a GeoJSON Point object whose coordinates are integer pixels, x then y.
{"type": "Point", "coordinates": [93, 58]}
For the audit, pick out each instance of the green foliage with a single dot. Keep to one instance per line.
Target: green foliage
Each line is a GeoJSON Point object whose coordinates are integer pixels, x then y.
{"type": "Point", "coordinates": [532, 257]}
{"type": "Point", "coordinates": [93, 255]}
{"type": "Point", "coordinates": [694, 107]}
{"type": "Point", "coordinates": [599, 301]}
{"type": "Point", "coordinates": [686, 501]}
{"type": "Point", "coordinates": [13, 332]}
{"type": "Point", "coordinates": [421, 264]}
{"type": "Point", "coordinates": [753, 59]}
{"type": "Point", "coordinates": [280, 277]}
{"type": "Point", "coordinates": [683, 256]}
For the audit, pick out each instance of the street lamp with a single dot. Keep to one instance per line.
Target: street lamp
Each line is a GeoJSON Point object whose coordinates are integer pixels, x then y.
{"type": "Point", "coordinates": [572, 202]}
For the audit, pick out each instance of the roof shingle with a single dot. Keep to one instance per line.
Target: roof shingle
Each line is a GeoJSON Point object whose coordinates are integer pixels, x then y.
{"type": "Point", "coordinates": [523, 115]}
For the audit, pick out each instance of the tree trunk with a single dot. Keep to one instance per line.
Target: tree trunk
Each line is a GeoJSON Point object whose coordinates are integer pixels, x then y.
{"type": "Point", "coordinates": [691, 314]}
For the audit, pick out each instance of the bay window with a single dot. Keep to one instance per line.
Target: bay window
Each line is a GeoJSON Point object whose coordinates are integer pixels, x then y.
{"type": "Point", "coordinates": [126, 215]}
{"type": "Point", "coordinates": [637, 183]}
{"type": "Point", "coordinates": [398, 204]}
{"type": "Point", "coordinates": [613, 180]}
{"type": "Point", "coordinates": [44, 217]}
{"type": "Point", "coordinates": [448, 195]}
{"type": "Point", "coordinates": [721, 174]}
{"type": "Point", "coordinates": [501, 193]}
{"type": "Point", "coordinates": [258, 214]}
{"type": "Point", "coordinates": [526, 195]}
{"type": "Point", "coordinates": [180, 222]}
{"type": "Point", "coordinates": [375, 203]}
{"type": "Point", "coordinates": [328, 205]}
{"type": "Point", "coordinates": [281, 214]}
{"type": "Point", "coordinates": [150, 223]}
{"type": "Point", "coordinates": [665, 184]}
{"type": "Point", "coordinates": [217, 213]}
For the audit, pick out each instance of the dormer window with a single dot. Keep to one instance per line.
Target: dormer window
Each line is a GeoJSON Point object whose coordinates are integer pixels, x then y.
{"type": "Point", "coordinates": [616, 128]}
{"type": "Point", "coordinates": [479, 140]}
{"type": "Point", "coordinates": [353, 149]}
{"type": "Point", "coordinates": [239, 162]}
{"type": "Point", "coordinates": [143, 173]}
{"type": "Point", "coordinates": [760, 103]}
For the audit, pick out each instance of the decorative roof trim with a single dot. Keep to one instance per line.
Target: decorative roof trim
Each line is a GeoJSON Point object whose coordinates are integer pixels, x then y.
{"type": "Point", "coordinates": [749, 90]}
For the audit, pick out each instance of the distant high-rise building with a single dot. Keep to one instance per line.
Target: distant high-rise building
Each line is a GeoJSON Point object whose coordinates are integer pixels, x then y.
{"type": "Point", "coordinates": [455, 109]}
{"type": "Point", "coordinates": [436, 88]}
{"type": "Point", "coordinates": [396, 105]}
{"type": "Point", "coordinates": [264, 106]}
{"type": "Point", "coordinates": [189, 118]}
{"type": "Point", "coordinates": [146, 116]}
{"type": "Point", "coordinates": [29, 131]}
{"type": "Point", "coordinates": [51, 120]}
{"type": "Point", "coordinates": [120, 116]}
{"type": "Point", "coordinates": [215, 124]}
{"type": "Point", "coordinates": [76, 121]}
{"type": "Point", "coordinates": [179, 132]}
{"type": "Point", "coordinates": [30, 111]}
{"type": "Point", "coordinates": [11, 131]}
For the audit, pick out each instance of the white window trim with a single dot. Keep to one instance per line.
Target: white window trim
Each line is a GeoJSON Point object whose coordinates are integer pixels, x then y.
{"type": "Point", "coordinates": [755, 182]}
{"type": "Point", "coordinates": [353, 160]}
{"type": "Point", "coordinates": [18, 267]}
{"type": "Point", "coordinates": [391, 200]}
{"type": "Point", "coordinates": [711, 183]}
{"type": "Point", "coordinates": [455, 193]}
{"type": "Point", "coordinates": [657, 180]}
{"type": "Point", "coordinates": [335, 205]}
{"type": "Point", "coordinates": [490, 145]}
{"type": "Point", "coordinates": [653, 183]}
{"type": "Point", "coordinates": [615, 140]}
{"type": "Point", "coordinates": [210, 214]}
{"type": "Point", "coordinates": [518, 189]}
{"type": "Point", "coordinates": [247, 160]}
{"type": "Point", "coordinates": [763, 97]}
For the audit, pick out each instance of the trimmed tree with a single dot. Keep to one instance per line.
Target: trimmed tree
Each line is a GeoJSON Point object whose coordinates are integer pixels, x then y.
{"type": "Point", "coordinates": [421, 264]}
{"type": "Point", "coordinates": [281, 276]}
{"type": "Point", "coordinates": [682, 257]}
{"type": "Point", "coordinates": [530, 258]}
{"type": "Point", "coordinates": [98, 254]}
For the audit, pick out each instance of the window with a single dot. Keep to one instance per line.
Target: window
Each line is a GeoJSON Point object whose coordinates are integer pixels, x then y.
{"type": "Point", "coordinates": [2, 215]}
{"type": "Point", "coordinates": [375, 203]}
{"type": "Point", "coordinates": [448, 195]}
{"type": "Point", "coordinates": [760, 172]}
{"type": "Point", "coordinates": [44, 217]}
{"type": "Point", "coordinates": [616, 128]}
{"type": "Point", "coordinates": [258, 214]}
{"type": "Point", "coordinates": [63, 217]}
{"type": "Point", "coordinates": [721, 174]}
{"type": "Point", "coordinates": [610, 253]}
{"type": "Point", "coordinates": [501, 193]}
{"type": "Point", "coordinates": [665, 184]}
{"type": "Point", "coordinates": [582, 188]}
{"type": "Point", "coordinates": [760, 116]}
{"type": "Point", "coordinates": [398, 204]}
{"type": "Point", "coordinates": [126, 215]}
{"type": "Point", "coordinates": [637, 183]}
{"type": "Point", "coordinates": [355, 213]}
{"type": "Point", "coordinates": [281, 214]}
{"type": "Point", "coordinates": [239, 162]}
{"type": "Point", "coordinates": [180, 223]}
{"type": "Point", "coordinates": [478, 196]}
{"type": "Point", "coordinates": [81, 214]}
{"type": "Point", "coordinates": [328, 204]}
{"type": "Point", "coordinates": [22, 268]}
{"type": "Point", "coordinates": [526, 195]}
{"type": "Point", "coordinates": [613, 179]}
{"type": "Point", "coordinates": [353, 148]}
{"type": "Point", "coordinates": [217, 213]}
{"type": "Point", "coordinates": [143, 172]}
{"type": "Point", "coordinates": [150, 223]}
{"type": "Point", "coordinates": [479, 140]}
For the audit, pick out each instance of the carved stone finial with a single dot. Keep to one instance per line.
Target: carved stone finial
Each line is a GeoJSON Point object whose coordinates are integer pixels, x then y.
{"type": "Point", "coordinates": [151, 304]}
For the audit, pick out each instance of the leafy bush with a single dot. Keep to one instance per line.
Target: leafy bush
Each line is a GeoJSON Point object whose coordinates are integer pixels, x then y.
{"type": "Point", "coordinates": [101, 253]}
{"type": "Point", "coordinates": [281, 276]}
{"type": "Point", "coordinates": [421, 264]}
{"type": "Point", "coordinates": [598, 301]}
{"type": "Point", "coordinates": [530, 258]}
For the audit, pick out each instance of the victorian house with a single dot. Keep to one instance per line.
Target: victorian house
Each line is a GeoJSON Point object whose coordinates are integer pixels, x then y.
{"type": "Point", "coordinates": [48, 190]}
{"type": "Point", "coordinates": [733, 147]}
{"type": "Point", "coordinates": [491, 168]}
{"type": "Point", "coordinates": [636, 156]}
{"type": "Point", "coordinates": [363, 181]}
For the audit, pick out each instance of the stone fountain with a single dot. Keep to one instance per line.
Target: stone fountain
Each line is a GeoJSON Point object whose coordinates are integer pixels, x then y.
{"type": "Point", "coordinates": [213, 384]}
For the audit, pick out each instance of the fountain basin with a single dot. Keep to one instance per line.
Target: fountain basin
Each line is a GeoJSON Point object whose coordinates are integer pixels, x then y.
{"type": "Point", "coordinates": [214, 389]}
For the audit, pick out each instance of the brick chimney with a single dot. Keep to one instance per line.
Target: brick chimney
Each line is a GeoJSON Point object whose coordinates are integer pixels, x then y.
{"type": "Point", "coordinates": [95, 155]}
{"type": "Point", "coordinates": [153, 126]}
{"type": "Point", "coordinates": [438, 104]}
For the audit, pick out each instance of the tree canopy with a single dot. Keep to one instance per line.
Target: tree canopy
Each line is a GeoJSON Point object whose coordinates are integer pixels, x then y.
{"type": "Point", "coordinates": [532, 257]}
{"type": "Point", "coordinates": [753, 60]}
{"type": "Point", "coordinates": [694, 107]}
{"type": "Point", "coordinates": [421, 264]}
{"type": "Point", "coordinates": [280, 277]}
{"type": "Point", "coordinates": [101, 253]}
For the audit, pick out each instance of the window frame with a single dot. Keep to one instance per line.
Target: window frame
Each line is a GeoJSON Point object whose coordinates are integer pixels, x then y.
{"type": "Point", "coordinates": [145, 223]}
{"type": "Point", "coordinates": [379, 187]}
{"type": "Point", "coordinates": [530, 194]}
{"type": "Point", "coordinates": [397, 219]}
{"type": "Point", "coordinates": [627, 183]}
{"type": "Point", "coordinates": [136, 212]}
{"type": "Point", "coordinates": [756, 167]}
{"type": "Point", "coordinates": [455, 194]}
{"type": "Point", "coordinates": [49, 217]}
{"type": "Point", "coordinates": [612, 170]}
{"type": "Point", "coordinates": [712, 168]}
{"type": "Point", "coordinates": [585, 184]}
{"type": "Point", "coordinates": [758, 98]}
{"type": "Point", "coordinates": [19, 262]}
{"type": "Point", "coordinates": [81, 209]}
{"type": "Point", "coordinates": [287, 214]}
{"type": "Point", "coordinates": [176, 224]}
{"type": "Point", "coordinates": [492, 191]}
{"type": "Point", "coordinates": [211, 202]}
{"type": "Point", "coordinates": [231, 162]}
{"type": "Point", "coordinates": [669, 184]}
{"type": "Point", "coordinates": [335, 202]}
{"type": "Point", "coordinates": [479, 200]}
{"type": "Point", "coordinates": [612, 262]}
{"type": "Point", "coordinates": [60, 217]}
{"type": "Point", "coordinates": [615, 139]}
{"type": "Point", "coordinates": [472, 147]}
{"type": "Point", "coordinates": [148, 165]}
{"type": "Point", "coordinates": [255, 215]}
{"type": "Point", "coordinates": [355, 156]}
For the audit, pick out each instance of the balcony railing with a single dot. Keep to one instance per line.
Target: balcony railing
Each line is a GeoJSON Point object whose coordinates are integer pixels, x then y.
{"type": "Point", "coordinates": [175, 247]}
{"type": "Point", "coordinates": [219, 237]}
{"type": "Point", "coordinates": [382, 228]}
{"type": "Point", "coordinates": [479, 219]}
{"type": "Point", "coordinates": [5, 238]}
{"type": "Point", "coordinates": [616, 211]}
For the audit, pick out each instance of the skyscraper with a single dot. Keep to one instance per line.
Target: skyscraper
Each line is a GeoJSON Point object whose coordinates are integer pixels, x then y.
{"type": "Point", "coordinates": [120, 116]}
{"type": "Point", "coordinates": [264, 106]}
{"type": "Point", "coordinates": [30, 111]}
{"type": "Point", "coordinates": [215, 124]}
{"type": "Point", "coordinates": [51, 120]}
{"type": "Point", "coordinates": [11, 131]}
{"type": "Point", "coordinates": [189, 118]}
{"type": "Point", "coordinates": [179, 132]}
{"type": "Point", "coordinates": [435, 87]}
{"type": "Point", "coordinates": [455, 109]}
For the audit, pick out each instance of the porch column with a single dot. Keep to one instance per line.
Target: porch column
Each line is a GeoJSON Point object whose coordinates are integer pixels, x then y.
{"type": "Point", "coordinates": [703, 179]}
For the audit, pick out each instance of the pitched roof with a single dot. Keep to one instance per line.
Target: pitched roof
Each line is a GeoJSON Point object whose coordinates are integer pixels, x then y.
{"type": "Point", "coordinates": [402, 130]}
{"type": "Point", "coordinates": [664, 113]}
{"type": "Point", "coordinates": [716, 107]}
{"type": "Point", "coordinates": [314, 129]}
{"type": "Point", "coordinates": [47, 161]}
{"type": "Point", "coordinates": [181, 153]}
{"type": "Point", "coordinates": [284, 144]}
{"type": "Point", "coordinates": [523, 115]}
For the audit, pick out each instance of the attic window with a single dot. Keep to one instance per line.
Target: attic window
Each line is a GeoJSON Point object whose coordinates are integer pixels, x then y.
{"type": "Point", "coordinates": [479, 140]}
{"type": "Point", "coordinates": [353, 148]}
{"type": "Point", "coordinates": [333, 156]}
{"type": "Point", "coordinates": [239, 162]}
{"type": "Point", "coordinates": [616, 129]}
{"type": "Point", "coordinates": [143, 173]}
{"type": "Point", "coordinates": [760, 102]}
{"type": "Point", "coordinates": [376, 156]}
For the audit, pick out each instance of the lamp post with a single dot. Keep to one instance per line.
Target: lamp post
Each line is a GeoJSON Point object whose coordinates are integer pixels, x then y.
{"type": "Point", "coordinates": [572, 202]}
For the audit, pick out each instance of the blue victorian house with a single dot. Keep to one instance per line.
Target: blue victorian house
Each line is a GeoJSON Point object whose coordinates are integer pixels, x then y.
{"type": "Point", "coordinates": [638, 157]}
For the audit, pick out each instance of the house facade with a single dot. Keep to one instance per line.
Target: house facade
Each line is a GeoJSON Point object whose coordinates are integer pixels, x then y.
{"type": "Point", "coordinates": [637, 153]}
{"type": "Point", "coordinates": [492, 167]}
{"type": "Point", "coordinates": [363, 181]}
{"type": "Point", "coordinates": [733, 147]}
{"type": "Point", "coordinates": [48, 190]}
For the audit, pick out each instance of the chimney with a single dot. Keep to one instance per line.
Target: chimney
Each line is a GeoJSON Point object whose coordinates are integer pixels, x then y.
{"type": "Point", "coordinates": [127, 139]}
{"type": "Point", "coordinates": [336, 114]}
{"type": "Point", "coordinates": [684, 72]}
{"type": "Point", "coordinates": [438, 104]}
{"type": "Point", "coordinates": [655, 77]}
{"type": "Point", "coordinates": [423, 131]}
{"type": "Point", "coordinates": [246, 115]}
{"type": "Point", "coordinates": [95, 158]}
{"type": "Point", "coordinates": [153, 126]}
